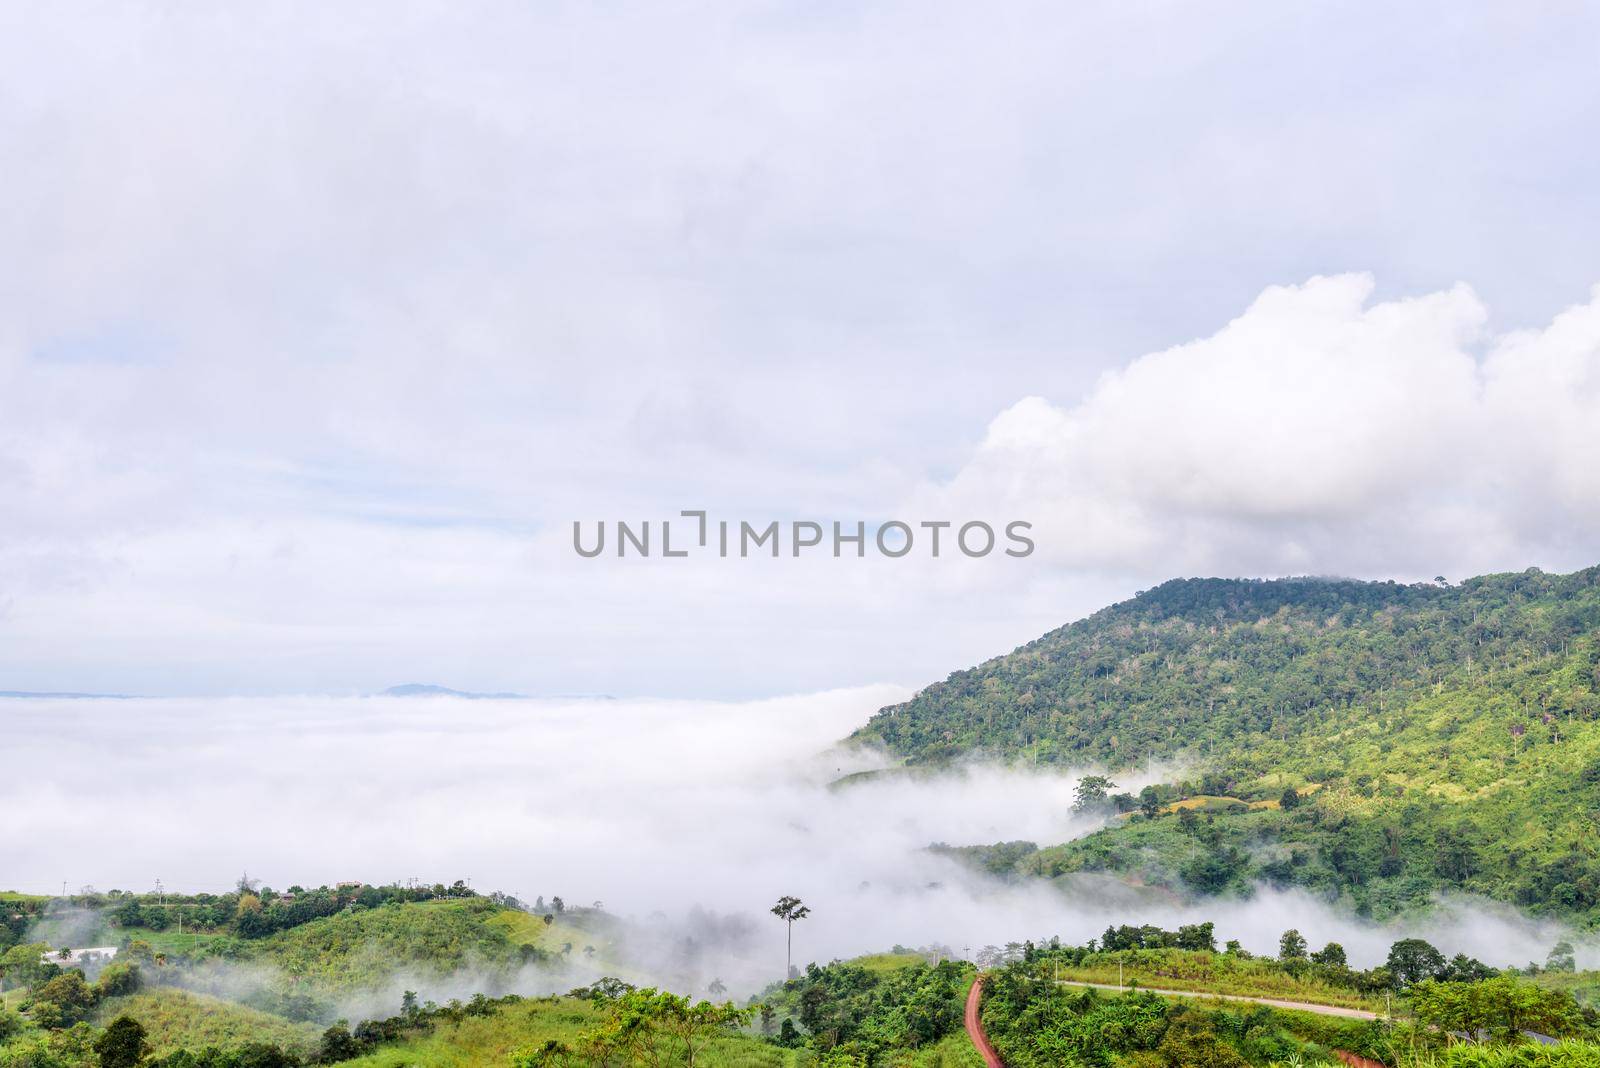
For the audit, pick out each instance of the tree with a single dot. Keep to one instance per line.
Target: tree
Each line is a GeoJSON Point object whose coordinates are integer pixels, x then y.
{"type": "Point", "coordinates": [1150, 802]}
{"type": "Point", "coordinates": [642, 1025]}
{"type": "Point", "coordinates": [1289, 799]}
{"type": "Point", "coordinates": [338, 1044]}
{"type": "Point", "coordinates": [70, 993]}
{"type": "Point", "coordinates": [789, 909]}
{"type": "Point", "coordinates": [1411, 960]}
{"type": "Point", "coordinates": [1091, 792]}
{"type": "Point", "coordinates": [1499, 1007]}
{"type": "Point", "coordinates": [1332, 955]}
{"type": "Point", "coordinates": [24, 965]}
{"type": "Point", "coordinates": [123, 1044]}
{"type": "Point", "coordinates": [1292, 946]}
{"type": "Point", "coordinates": [1198, 936]}
{"type": "Point", "coordinates": [1562, 958]}
{"type": "Point", "coordinates": [118, 980]}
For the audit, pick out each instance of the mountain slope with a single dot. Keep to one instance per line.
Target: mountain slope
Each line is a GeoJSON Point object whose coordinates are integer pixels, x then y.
{"type": "Point", "coordinates": [1452, 733]}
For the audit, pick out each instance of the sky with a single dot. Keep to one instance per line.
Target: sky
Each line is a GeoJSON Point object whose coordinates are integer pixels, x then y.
{"type": "Point", "coordinates": [319, 328]}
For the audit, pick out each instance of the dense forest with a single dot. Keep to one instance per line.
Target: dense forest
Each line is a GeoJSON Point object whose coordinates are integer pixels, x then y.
{"type": "Point", "coordinates": [1375, 741]}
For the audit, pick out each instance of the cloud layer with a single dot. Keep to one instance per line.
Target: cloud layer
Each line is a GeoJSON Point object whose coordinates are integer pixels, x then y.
{"type": "Point", "coordinates": [689, 818]}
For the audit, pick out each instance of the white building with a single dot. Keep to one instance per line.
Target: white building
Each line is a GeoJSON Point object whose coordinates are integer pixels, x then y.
{"type": "Point", "coordinates": [91, 955]}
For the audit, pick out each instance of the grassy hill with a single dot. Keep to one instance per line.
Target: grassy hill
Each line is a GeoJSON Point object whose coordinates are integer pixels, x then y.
{"type": "Point", "coordinates": [178, 1019]}
{"type": "Point", "coordinates": [492, 1039]}
{"type": "Point", "coordinates": [363, 947]}
{"type": "Point", "coordinates": [1448, 736]}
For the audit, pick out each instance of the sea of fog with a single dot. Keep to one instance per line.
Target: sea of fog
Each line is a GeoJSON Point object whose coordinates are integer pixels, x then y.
{"type": "Point", "coordinates": [690, 817]}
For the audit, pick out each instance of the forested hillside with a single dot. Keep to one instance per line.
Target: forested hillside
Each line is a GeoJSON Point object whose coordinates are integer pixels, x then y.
{"type": "Point", "coordinates": [1376, 740]}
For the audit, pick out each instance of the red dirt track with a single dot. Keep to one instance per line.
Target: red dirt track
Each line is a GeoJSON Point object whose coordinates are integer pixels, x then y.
{"type": "Point", "coordinates": [975, 1027]}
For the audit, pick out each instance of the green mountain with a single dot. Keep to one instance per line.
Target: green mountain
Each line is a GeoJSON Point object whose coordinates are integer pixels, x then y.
{"type": "Point", "coordinates": [1433, 736]}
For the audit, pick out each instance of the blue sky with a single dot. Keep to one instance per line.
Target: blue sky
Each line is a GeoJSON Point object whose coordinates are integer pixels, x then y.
{"type": "Point", "coordinates": [319, 328]}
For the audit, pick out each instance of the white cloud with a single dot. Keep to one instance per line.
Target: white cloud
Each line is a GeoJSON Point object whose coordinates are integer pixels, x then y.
{"type": "Point", "coordinates": [1323, 431]}
{"type": "Point", "coordinates": [650, 806]}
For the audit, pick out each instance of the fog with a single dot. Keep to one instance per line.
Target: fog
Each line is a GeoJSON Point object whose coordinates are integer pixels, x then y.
{"type": "Point", "coordinates": [687, 820]}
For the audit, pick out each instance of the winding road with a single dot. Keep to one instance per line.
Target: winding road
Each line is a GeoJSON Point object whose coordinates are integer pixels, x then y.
{"type": "Point", "coordinates": [980, 1041]}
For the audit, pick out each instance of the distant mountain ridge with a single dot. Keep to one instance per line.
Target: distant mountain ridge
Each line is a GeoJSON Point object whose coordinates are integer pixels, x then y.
{"type": "Point", "coordinates": [42, 695]}
{"type": "Point", "coordinates": [421, 689]}
{"type": "Point", "coordinates": [1451, 733]}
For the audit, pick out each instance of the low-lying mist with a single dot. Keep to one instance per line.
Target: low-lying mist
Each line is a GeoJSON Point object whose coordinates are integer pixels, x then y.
{"type": "Point", "coordinates": [685, 819]}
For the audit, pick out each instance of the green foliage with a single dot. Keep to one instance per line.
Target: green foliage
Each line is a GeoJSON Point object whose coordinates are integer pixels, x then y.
{"type": "Point", "coordinates": [870, 1011]}
{"type": "Point", "coordinates": [362, 948]}
{"type": "Point", "coordinates": [174, 1020]}
{"type": "Point", "coordinates": [1371, 740]}
{"type": "Point", "coordinates": [1292, 946]}
{"type": "Point", "coordinates": [62, 1001]}
{"type": "Point", "coordinates": [122, 1044]}
{"type": "Point", "coordinates": [649, 1026]}
{"type": "Point", "coordinates": [23, 965]}
{"type": "Point", "coordinates": [1572, 1054]}
{"type": "Point", "coordinates": [249, 912]}
{"type": "Point", "coordinates": [1501, 1007]}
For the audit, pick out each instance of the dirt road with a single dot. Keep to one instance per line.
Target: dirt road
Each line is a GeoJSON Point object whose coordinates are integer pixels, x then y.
{"type": "Point", "coordinates": [980, 1041]}
{"type": "Point", "coordinates": [1276, 1003]}
{"type": "Point", "coordinates": [991, 1059]}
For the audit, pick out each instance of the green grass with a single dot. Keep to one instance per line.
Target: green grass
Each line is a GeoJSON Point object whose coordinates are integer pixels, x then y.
{"type": "Point", "coordinates": [888, 962]}
{"type": "Point", "coordinates": [18, 897]}
{"type": "Point", "coordinates": [490, 1040]}
{"type": "Point", "coordinates": [952, 1051]}
{"type": "Point", "coordinates": [582, 929]}
{"type": "Point", "coordinates": [365, 947]}
{"type": "Point", "coordinates": [1570, 1054]}
{"type": "Point", "coordinates": [178, 1019]}
{"type": "Point", "coordinates": [169, 942]}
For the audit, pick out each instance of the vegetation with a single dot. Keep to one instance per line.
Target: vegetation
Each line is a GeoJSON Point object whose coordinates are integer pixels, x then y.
{"type": "Point", "coordinates": [1375, 741]}
{"type": "Point", "coordinates": [890, 1010]}
{"type": "Point", "coordinates": [868, 1011]}
{"type": "Point", "coordinates": [1574, 1054]}
{"type": "Point", "coordinates": [1035, 1018]}
{"type": "Point", "coordinates": [174, 1020]}
{"type": "Point", "coordinates": [360, 948]}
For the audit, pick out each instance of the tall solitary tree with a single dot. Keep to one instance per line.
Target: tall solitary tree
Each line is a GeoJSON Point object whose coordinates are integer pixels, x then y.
{"type": "Point", "coordinates": [789, 909]}
{"type": "Point", "coordinates": [122, 1044]}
